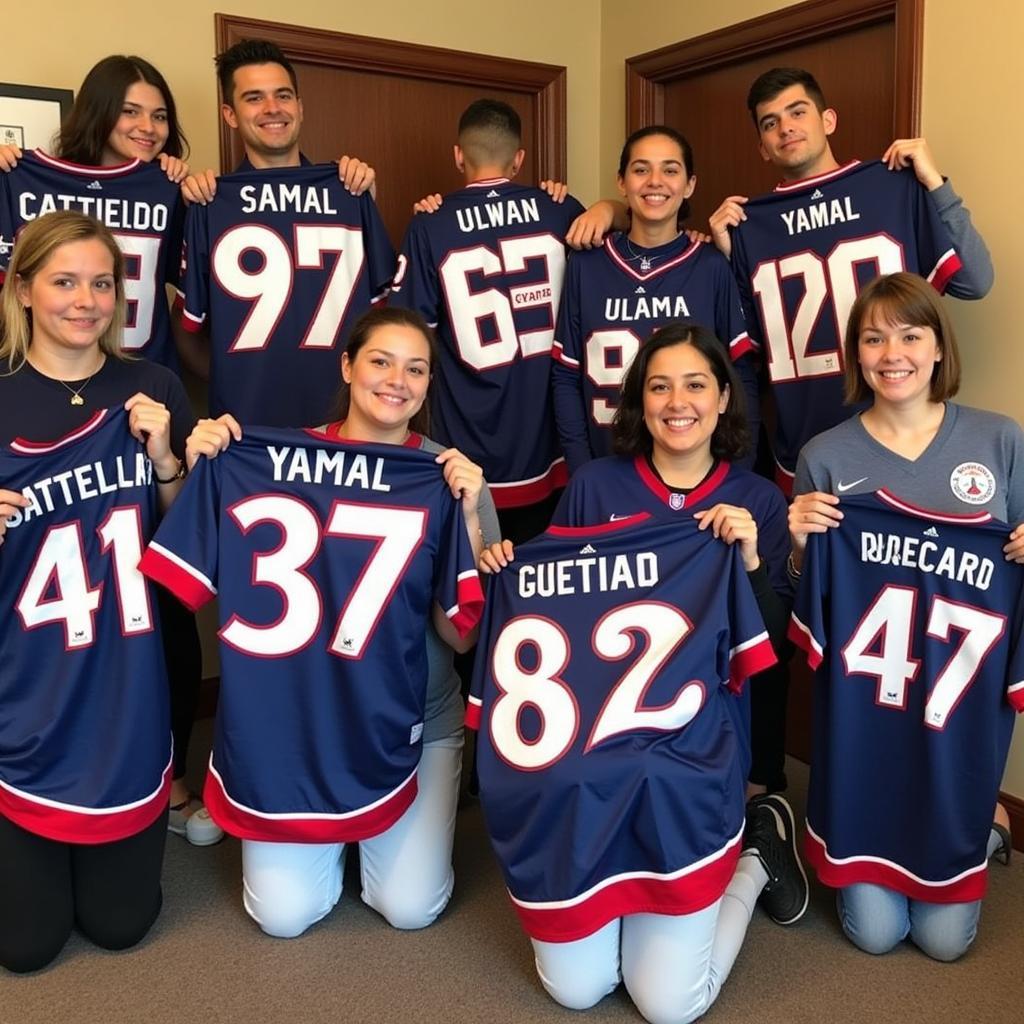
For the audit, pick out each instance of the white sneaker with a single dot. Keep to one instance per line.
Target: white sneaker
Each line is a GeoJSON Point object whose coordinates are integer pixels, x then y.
{"type": "Point", "coordinates": [202, 830]}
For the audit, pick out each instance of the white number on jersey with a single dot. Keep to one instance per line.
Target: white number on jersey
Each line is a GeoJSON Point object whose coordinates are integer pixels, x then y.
{"type": "Point", "coordinates": [606, 373]}
{"type": "Point", "coordinates": [541, 689]}
{"type": "Point", "coordinates": [270, 287]}
{"type": "Point", "coordinates": [467, 309]}
{"type": "Point", "coordinates": [57, 588]}
{"type": "Point", "coordinates": [140, 286]}
{"type": "Point", "coordinates": [835, 278]}
{"type": "Point", "coordinates": [399, 532]}
{"type": "Point", "coordinates": [881, 647]}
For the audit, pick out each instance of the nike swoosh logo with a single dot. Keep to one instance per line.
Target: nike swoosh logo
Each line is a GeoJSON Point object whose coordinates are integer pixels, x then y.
{"type": "Point", "coordinates": [615, 519]}
{"type": "Point", "coordinates": [843, 488]}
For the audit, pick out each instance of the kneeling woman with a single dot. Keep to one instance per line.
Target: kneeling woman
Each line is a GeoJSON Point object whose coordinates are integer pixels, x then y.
{"type": "Point", "coordinates": [346, 728]}
{"type": "Point", "coordinates": [679, 420]}
{"type": "Point", "coordinates": [88, 460]}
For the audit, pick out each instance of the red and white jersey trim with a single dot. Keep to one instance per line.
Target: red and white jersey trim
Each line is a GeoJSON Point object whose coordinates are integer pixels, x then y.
{"type": "Point", "coordinates": [71, 823]}
{"type": "Point", "coordinates": [801, 635]}
{"type": "Point", "coordinates": [558, 352]}
{"type": "Point", "coordinates": [185, 581]}
{"type": "Point", "coordinates": [616, 258]}
{"type": "Point", "coordinates": [306, 827]}
{"type": "Point", "coordinates": [838, 873]}
{"type": "Point", "coordinates": [748, 658]}
{"type": "Point", "coordinates": [948, 265]}
{"type": "Point", "coordinates": [685, 891]}
{"type": "Point", "coordinates": [86, 170]}
{"type": "Point", "coordinates": [23, 447]}
{"type": "Point", "coordinates": [469, 602]}
{"type": "Point", "coordinates": [793, 186]}
{"type": "Point", "coordinates": [516, 493]}
{"type": "Point", "coordinates": [955, 518]}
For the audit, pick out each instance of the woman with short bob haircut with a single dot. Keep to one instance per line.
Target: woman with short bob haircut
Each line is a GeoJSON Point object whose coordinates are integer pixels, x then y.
{"type": "Point", "coordinates": [941, 462]}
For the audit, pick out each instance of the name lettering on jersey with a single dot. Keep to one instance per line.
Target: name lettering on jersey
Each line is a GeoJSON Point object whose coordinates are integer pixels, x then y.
{"type": "Point", "coordinates": [820, 215]}
{"type": "Point", "coordinates": [277, 197]}
{"type": "Point", "coordinates": [80, 484]}
{"type": "Point", "coordinates": [126, 214]}
{"type": "Point", "coordinates": [669, 307]}
{"type": "Point", "coordinates": [319, 465]}
{"type": "Point", "coordinates": [498, 215]}
{"type": "Point", "coordinates": [928, 556]}
{"type": "Point", "coordinates": [587, 574]}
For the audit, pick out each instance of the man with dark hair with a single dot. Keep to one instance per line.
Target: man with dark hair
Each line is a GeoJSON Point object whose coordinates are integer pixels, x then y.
{"type": "Point", "coordinates": [281, 255]}
{"type": "Point", "coordinates": [487, 270]}
{"type": "Point", "coordinates": [802, 252]}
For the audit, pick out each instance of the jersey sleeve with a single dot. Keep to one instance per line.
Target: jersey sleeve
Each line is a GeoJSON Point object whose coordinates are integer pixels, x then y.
{"type": "Point", "coordinates": [1015, 672]}
{"type": "Point", "coordinates": [194, 283]}
{"type": "Point", "coordinates": [8, 218]}
{"type": "Point", "coordinates": [377, 250]}
{"type": "Point", "coordinates": [740, 264]}
{"type": "Point", "coordinates": [750, 649]}
{"type": "Point", "coordinates": [807, 625]}
{"type": "Point", "coordinates": [936, 255]}
{"type": "Point", "coordinates": [456, 582]}
{"type": "Point", "coordinates": [482, 661]}
{"type": "Point", "coordinates": [175, 242]}
{"type": "Point", "coordinates": [566, 380]}
{"type": "Point", "coordinates": [416, 284]}
{"type": "Point", "coordinates": [183, 555]}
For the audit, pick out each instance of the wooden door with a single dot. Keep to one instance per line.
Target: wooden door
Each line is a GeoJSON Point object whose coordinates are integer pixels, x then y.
{"type": "Point", "coordinates": [397, 105]}
{"type": "Point", "coordinates": [866, 55]}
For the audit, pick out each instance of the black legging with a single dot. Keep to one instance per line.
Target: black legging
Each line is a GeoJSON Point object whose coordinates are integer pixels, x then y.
{"type": "Point", "coordinates": [184, 659]}
{"type": "Point", "coordinates": [109, 891]}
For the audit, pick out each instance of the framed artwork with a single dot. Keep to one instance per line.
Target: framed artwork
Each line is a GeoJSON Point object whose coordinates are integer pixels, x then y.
{"type": "Point", "coordinates": [30, 115]}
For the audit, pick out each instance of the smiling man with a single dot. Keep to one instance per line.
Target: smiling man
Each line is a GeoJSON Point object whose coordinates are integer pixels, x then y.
{"type": "Point", "coordinates": [281, 256]}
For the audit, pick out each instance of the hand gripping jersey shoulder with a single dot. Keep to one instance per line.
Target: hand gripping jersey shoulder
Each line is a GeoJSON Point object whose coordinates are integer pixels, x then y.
{"type": "Point", "coordinates": [326, 558]}
{"type": "Point", "coordinates": [914, 621]}
{"type": "Point", "coordinates": [85, 731]}
{"type": "Point", "coordinates": [487, 270]}
{"type": "Point", "coordinates": [800, 258]}
{"type": "Point", "coordinates": [144, 211]}
{"type": "Point", "coordinates": [611, 308]}
{"type": "Point", "coordinates": [280, 265]}
{"type": "Point", "coordinates": [611, 770]}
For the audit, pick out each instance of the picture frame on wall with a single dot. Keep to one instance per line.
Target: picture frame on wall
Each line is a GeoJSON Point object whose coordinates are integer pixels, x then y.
{"type": "Point", "coordinates": [31, 115]}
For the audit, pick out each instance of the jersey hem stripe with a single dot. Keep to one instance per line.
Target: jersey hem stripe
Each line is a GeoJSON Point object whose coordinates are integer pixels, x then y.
{"type": "Point", "coordinates": [838, 873]}
{"type": "Point", "coordinates": [749, 658]}
{"type": "Point", "coordinates": [68, 823]}
{"type": "Point", "coordinates": [517, 493]}
{"type": "Point", "coordinates": [802, 636]}
{"type": "Point", "coordinates": [347, 827]}
{"type": "Point", "coordinates": [948, 266]}
{"type": "Point", "coordinates": [186, 582]}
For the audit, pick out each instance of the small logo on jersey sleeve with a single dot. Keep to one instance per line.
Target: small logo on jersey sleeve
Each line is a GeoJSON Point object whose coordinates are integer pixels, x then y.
{"type": "Point", "coordinates": [973, 483]}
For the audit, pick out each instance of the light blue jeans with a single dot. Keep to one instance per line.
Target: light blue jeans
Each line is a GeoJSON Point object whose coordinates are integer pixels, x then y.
{"type": "Point", "coordinates": [876, 919]}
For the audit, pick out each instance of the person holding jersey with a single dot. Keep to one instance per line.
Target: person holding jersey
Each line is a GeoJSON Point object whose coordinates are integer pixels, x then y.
{"type": "Point", "coordinates": [639, 280]}
{"type": "Point", "coordinates": [678, 424]}
{"type": "Point", "coordinates": [407, 873]}
{"type": "Point", "coordinates": [934, 457]}
{"type": "Point", "coordinates": [123, 126]}
{"type": "Point", "coordinates": [85, 753]}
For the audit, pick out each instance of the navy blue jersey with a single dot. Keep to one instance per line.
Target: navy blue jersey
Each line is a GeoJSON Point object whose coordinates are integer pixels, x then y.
{"type": "Point", "coordinates": [326, 557]}
{"type": "Point", "coordinates": [800, 258]}
{"type": "Point", "coordinates": [913, 620]}
{"type": "Point", "coordinates": [614, 488]}
{"type": "Point", "coordinates": [280, 265]}
{"type": "Point", "coordinates": [85, 740]}
{"type": "Point", "coordinates": [610, 306]}
{"type": "Point", "coordinates": [144, 211]}
{"type": "Point", "coordinates": [487, 271]}
{"type": "Point", "coordinates": [612, 773]}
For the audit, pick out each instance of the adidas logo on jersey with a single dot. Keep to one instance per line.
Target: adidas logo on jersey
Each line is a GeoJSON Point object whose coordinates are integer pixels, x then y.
{"type": "Point", "coordinates": [641, 290]}
{"type": "Point", "coordinates": [588, 549]}
{"type": "Point", "coordinates": [95, 185]}
{"type": "Point", "coordinates": [931, 532]}
{"type": "Point", "coordinates": [493, 195]}
{"type": "Point", "coordinates": [817, 194]}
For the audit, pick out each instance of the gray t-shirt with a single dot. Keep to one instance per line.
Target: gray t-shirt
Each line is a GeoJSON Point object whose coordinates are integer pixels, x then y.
{"type": "Point", "coordinates": [974, 463]}
{"type": "Point", "coordinates": [445, 710]}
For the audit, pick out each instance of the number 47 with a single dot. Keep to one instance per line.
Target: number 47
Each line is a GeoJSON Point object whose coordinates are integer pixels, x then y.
{"type": "Point", "coordinates": [880, 646]}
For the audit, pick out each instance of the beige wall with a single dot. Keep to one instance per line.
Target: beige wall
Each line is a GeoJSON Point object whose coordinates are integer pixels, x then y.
{"type": "Point", "coordinates": [969, 93]}
{"type": "Point", "coordinates": [182, 47]}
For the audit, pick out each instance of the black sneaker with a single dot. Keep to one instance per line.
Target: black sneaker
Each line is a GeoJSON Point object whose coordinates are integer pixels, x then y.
{"type": "Point", "coordinates": [1005, 848]}
{"type": "Point", "coordinates": [770, 834]}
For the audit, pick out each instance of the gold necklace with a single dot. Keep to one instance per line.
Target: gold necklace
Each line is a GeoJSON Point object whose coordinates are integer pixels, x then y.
{"type": "Point", "coordinates": [76, 393]}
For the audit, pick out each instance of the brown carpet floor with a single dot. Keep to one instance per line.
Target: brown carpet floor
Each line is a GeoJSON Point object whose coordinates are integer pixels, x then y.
{"type": "Point", "coordinates": [205, 961]}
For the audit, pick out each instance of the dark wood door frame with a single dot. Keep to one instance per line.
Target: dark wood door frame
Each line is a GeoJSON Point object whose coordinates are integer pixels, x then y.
{"type": "Point", "coordinates": [806, 22]}
{"type": "Point", "coordinates": [545, 82]}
